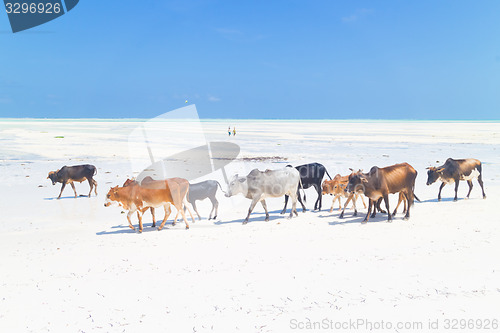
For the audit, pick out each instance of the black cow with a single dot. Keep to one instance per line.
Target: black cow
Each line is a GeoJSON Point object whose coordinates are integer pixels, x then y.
{"type": "Point", "coordinates": [455, 171]}
{"type": "Point", "coordinates": [310, 175]}
{"type": "Point", "coordinates": [203, 190]}
{"type": "Point", "coordinates": [76, 173]}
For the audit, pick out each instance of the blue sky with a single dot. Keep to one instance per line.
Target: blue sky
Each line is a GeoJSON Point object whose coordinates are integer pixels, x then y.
{"type": "Point", "coordinates": [257, 59]}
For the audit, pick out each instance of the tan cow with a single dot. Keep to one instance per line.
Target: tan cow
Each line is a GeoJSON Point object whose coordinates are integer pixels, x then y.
{"type": "Point", "coordinates": [137, 198]}
{"type": "Point", "coordinates": [337, 188]}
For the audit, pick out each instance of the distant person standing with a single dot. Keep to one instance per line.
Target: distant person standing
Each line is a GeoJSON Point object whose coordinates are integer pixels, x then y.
{"type": "Point", "coordinates": [234, 131]}
{"type": "Point", "coordinates": [229, 130]}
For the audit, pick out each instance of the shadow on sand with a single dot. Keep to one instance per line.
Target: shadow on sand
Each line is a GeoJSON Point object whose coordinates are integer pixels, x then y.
{"type": "Point", "coordinates": [442, 200]}
{"type": "Point", "coordinates": [258, 217]}
{"type": "Point", "coordinates": [124, 229]}
{"type": "Point", "coordinates": [68, 197]}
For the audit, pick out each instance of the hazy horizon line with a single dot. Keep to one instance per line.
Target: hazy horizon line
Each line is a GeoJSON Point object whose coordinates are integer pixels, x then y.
{"type": "Point", "coordinates": [244, 119]}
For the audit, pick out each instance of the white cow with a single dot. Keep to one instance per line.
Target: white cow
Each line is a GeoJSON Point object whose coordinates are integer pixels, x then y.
{"type": "Point", "coordinates": [258, 186]}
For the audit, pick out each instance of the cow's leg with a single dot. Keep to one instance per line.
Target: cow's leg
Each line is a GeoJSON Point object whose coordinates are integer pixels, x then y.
{"type": "Point", "coordinates": [168, 211]}
{"type": "Point", "coordinates": [363, 200]}
{"type": "Point", "coordinates": [284, 208]}
{"type": "Point", "coordinates": [341, 216]}
{"type": "Point", "coordinates": [294, 207]}
{"type": "Point", "coordinates": [375, 207]}
{"type": "Point", "coordinates": [129, 221]}
{"type": "Point", "coordinates": [470, 187]}
{"type": "Point", "coordinates": [457, 182]}
{"type": "Point", "coordinates": [252, 206]}
{"type": "Point", "coordinates": [355, 196]}
{"type": "Point", "coordinates": [405, 206]}
{"type": "Point", "coordinates": [74, 190]}
{"type": "Point", "coordinates": [185, 201]}
{"type": "Point", "coordinates": [215, 206]}
{"type": "Point", "coordinates": [95, 186]}
{"type": "Point", "coordinates": [181, 211]}
{"type": "Point", "coordinates": [317, 204]}
{"type": "Point", "coordinates": [195, 209]}
{"type": "Point", "coordinates": [152, 210]}
{"type": "Point", "coordinates": [333, 203]}
{"type": "Point", "coordinates": [379, 208]}
{"type": "Point", "coordinates": [91, 184]}
{"type": "Point", "coordinates": [370, 204]}
{"type": "Point", "coordinates": [263, 202]}
{"type": "Point", "coordinates": [409, 200]}
{"type": "Point", "coordinates": [440, 189]}
{"type": "Point", "coordinates": [480, 181]}
{"type": "Point", "coordinates": [139, 216]}
{"type": "Point", "coordinates": [386, 200]}
{"type": "Point", "coordinates": [62, 188]}
{"type": "Point", "coordinates": [401, 198]}
{"type": "Point", "coordinates": [300, 200]}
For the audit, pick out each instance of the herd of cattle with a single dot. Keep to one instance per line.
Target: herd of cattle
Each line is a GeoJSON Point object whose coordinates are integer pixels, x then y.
{"type": "Point", "coordinates": [258, 185]}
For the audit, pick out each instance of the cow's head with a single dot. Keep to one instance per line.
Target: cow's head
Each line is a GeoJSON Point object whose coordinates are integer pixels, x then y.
{"type": "Point", "coordinates": [237, 185]}
{"type": "Point", "coordinates": [112, 196]}
{"type": "Point", "coordinates": [53, 176]}
{"type": "Point", "coordinates": [433, 174]}
{"type": "Point", "coordinates": [129, 182]}
{"type": "Point", "coordinates": [357, 182]}
{"type": "Point", "coordinates": [327, 187]}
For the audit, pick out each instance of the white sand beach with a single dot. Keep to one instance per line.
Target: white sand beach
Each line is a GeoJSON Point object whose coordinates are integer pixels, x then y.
{"type": "Point", "coordinates": [73, 265]}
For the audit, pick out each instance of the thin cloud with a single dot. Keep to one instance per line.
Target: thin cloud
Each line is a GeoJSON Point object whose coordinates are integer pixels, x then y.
{"type": "Point", "coordinates": [213, 99]}
{"type": "Point", "coordinates": [360, 13]}
{"type": "Point", "coordinates": [238, 35]}
{"type": "Point", "coordinates": [225, 31]}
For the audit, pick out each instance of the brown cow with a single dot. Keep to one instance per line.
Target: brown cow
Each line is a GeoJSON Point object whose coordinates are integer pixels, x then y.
{"type": "Point", "coordinates": [337, 188]}
{"type": "Point", "coordinates": [137, 198]}
{"type": "Point", "coordinates": [455, 171]}
{"type": "Point", "coordinates": [380, 182]}
{"type": "Point", "coordinates": [133, 182]}
{"type": "Point", "coordinates": [158, 184]}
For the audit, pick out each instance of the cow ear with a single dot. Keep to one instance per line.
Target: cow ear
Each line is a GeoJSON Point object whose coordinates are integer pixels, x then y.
{"type": "Point", "coordinates": [351, 169]}
{"type": "Point", "coordinates": [440, 170]}
{"type": "Point", "coordinates": [242, 180]}
{"type": "Point", "coordinates": [363, 179]}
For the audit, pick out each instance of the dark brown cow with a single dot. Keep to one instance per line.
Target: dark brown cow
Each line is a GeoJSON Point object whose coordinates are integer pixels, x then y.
{"type": "Point", "coordinates": [380, 182]}
{"type": "Point", "coordinates": [453, 171]}
{"type": "Point", "coordinates": [76, 173]}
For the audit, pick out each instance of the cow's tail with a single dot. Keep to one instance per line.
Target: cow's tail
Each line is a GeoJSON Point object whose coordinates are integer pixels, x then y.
{"type": "Point", "coordinates": [416, 198]}
{"type": "Point", "coordinates": [328, 174]}
{"type": "Point", "coordinates": [220, 187]}
{"type": "Point", "coordinates": [411, 196]}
